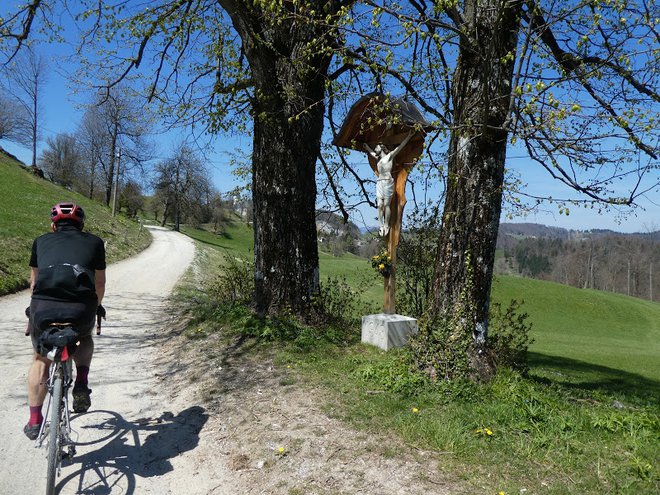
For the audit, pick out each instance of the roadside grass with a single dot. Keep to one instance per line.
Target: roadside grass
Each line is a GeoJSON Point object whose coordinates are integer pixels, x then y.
{"type": "Point", "coordinates": [514, 435]}
{"type": "Point", "coordinates": [237, 240]}
{"type": "Point", "coordinates": [586, 420]}
{"type": "Point", "coordinates": [25, 203]}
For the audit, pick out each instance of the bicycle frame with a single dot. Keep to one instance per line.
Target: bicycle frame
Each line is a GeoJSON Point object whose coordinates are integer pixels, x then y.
{"type": "Point", "coordinates": [56, 432]}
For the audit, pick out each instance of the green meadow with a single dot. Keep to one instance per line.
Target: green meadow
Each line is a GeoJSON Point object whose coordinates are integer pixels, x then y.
{"type": "Point", "coordinates": [574, 330]}
{"type": "Point", "coordinates": [589, 336]}
{"type": "Point", "coordinates": [585, 420]}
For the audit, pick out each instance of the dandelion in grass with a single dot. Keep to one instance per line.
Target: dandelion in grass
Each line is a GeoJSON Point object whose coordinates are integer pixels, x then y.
{"type": "Point", "coordinates": [485, 431]}
{"type": "Point", "coordinates": [415, 410]}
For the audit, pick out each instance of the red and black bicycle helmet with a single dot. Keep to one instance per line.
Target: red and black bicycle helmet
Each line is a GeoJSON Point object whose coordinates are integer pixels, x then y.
{"type": "Point", "coordinates": [67, 211]}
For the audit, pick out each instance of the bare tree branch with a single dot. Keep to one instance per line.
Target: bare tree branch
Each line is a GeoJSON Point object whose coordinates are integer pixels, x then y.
{"type": "Point", "coordinates": [29, 10]}
{"type": "Point", "coordinates": [574, 64]}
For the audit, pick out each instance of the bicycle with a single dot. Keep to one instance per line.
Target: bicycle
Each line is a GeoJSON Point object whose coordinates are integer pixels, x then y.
{"type": "Point", "coordinates": [57, 342]}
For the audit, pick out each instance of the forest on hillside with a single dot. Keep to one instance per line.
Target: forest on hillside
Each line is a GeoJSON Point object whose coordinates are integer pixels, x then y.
{"type": "Point", "coordinates": [603, 260]}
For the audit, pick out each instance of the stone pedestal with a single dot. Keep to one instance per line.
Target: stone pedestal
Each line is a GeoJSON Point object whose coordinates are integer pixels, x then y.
{"type": "Point", "coordinates": [387, 331]}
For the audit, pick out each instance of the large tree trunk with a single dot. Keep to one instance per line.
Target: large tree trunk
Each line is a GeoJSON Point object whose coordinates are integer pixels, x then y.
{"type": "Point", "coordinates": [284, 196]}
{"type": "Point", "coordinates": [288, 110]}
{"type": "Point", "coordinates": [477, 151]}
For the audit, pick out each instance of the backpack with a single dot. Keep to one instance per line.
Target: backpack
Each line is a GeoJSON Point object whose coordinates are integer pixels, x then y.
{"type": "Point", "coordinates": [65, 281]}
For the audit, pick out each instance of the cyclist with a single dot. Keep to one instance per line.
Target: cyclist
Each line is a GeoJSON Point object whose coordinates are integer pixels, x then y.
{"type": "Point", "coordinates": [68, 284]}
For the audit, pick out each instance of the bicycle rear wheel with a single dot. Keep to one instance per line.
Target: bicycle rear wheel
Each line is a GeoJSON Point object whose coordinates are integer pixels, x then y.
{"type": "Point", "coordinates": [54, 433]}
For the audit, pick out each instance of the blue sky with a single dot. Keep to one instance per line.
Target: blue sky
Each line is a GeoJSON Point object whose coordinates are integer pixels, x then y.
{"type": "Point", "coordinates": [61, 114]}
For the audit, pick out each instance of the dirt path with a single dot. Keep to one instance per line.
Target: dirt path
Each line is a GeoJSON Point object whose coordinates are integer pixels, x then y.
{"type": "Point", "coordinates": [268, 433]}
{"type": "Point", "coordinates": [130, 440]}
{"type": "Point", "coordinates": [166, 419]}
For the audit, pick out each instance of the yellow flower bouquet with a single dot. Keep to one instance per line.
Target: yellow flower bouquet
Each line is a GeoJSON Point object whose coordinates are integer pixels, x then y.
{"type": "Point", "coordinates": [382, 263]}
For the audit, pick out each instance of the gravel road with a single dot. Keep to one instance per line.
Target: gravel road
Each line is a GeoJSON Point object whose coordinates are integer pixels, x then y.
{"type": "Point", "coordinates": [135, 439]}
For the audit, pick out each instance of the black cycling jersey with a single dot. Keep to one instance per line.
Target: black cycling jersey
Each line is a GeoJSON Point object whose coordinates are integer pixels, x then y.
{"type": "Point", "coordinates": [67, 260]}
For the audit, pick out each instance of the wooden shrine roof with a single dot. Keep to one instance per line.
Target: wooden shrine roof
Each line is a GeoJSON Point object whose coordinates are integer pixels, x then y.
{"type": "Point", "coordinates": [375, 119]}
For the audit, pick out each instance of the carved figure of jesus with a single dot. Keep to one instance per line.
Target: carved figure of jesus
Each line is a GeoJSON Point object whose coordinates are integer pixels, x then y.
{"type": "Point", "coordinates": [385, 180]}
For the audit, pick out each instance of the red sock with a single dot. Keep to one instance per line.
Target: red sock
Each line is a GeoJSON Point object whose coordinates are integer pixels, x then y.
{"type": "Point", "coordinates": [35, 416]}
{"type": "Point", "coordinates": [81, 376]}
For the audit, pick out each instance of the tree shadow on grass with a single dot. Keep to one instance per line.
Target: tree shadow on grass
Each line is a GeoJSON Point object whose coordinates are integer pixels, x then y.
{"type": "Point", "coordinates": [579, 375]}
{"type": "Point", "coordinates": [221, 234]}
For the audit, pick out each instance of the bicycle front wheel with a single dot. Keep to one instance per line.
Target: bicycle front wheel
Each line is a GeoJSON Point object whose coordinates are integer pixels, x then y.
{"type": "Point", "coordinates": [54, 436]}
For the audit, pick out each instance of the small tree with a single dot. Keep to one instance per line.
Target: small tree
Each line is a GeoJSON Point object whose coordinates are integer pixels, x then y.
{"type": "Point", "coordinates": [95, 145]}
{"type": "Point", "coordinates": [113, 133]}
{"type": "Point", "coordinates": [62, 161]}
{"type": "Point", "coordinates": [181, 184]}
{"type": "Point", "coordinates": [416, 260]}
{"type": "Point", "coordinates": [217, 211]}
{"type": "Point", "coordinates": [26, 76]}
{"type": "Point", "coordinates": [14, 121]}
{"type": "Point", "coordinates": [131, 199]}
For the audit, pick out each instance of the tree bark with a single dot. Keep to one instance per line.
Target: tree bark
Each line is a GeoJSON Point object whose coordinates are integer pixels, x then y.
{"type": "Point", "coordinates": [288, 109]}
{"type": "Point", "coordinates": [110, 177]}
{"type": "Point", "coordinates": [477, 151]}
{"type": "Point", "coordinates": [92, 178]}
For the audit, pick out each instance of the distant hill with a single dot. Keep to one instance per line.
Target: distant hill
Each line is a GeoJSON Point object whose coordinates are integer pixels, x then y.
{"type": "Point", "coordinates": [596, 259]}
{"type": "Point", "coordinates": [532, 230]}
{"type": "Point", "coordinates": [330, 223]}
{"type": "Point", "coordinates": [336, 237]}
{"type": "Point", "coordinates": [512, 232]}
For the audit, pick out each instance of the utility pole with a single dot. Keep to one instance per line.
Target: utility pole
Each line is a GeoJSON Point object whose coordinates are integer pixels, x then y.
{"type": "Point", "coordinates": [114, 193]}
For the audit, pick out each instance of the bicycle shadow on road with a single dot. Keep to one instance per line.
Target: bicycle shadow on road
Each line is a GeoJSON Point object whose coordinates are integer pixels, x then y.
{"type": "Point", "coordinates": [112, 452]}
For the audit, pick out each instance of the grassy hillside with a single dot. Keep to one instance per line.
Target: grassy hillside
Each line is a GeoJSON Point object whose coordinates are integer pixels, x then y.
{"type": "Point", "coordinates": [237, 237]}
{"type": "Point", "coordinates": [25, 202]}
{"type": "Point", "coordinates": [588, 337]}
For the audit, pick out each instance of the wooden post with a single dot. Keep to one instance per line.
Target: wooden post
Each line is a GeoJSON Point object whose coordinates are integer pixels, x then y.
{"type": "Point", "coordinates": [389, 304]}
{"type": "Point", "coordinates": [397, 203]}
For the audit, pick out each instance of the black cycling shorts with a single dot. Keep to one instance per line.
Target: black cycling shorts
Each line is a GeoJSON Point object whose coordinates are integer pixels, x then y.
{"type": "Point", "coordinates": [43, 313]}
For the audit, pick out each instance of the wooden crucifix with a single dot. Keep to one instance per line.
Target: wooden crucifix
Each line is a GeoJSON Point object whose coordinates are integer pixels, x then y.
{"type": "Point", "coordinates": [392, 132]}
